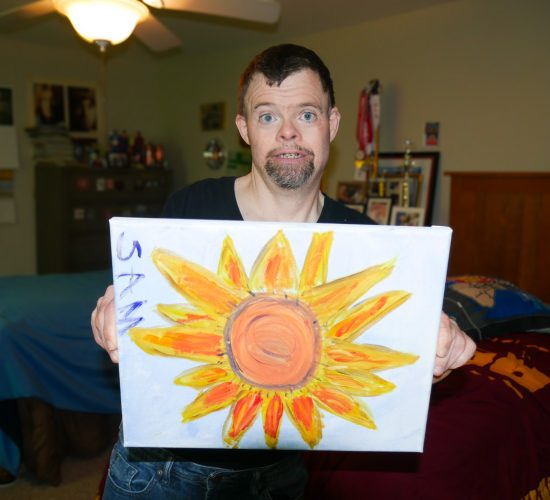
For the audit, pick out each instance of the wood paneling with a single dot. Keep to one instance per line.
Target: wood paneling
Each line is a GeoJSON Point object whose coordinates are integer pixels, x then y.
{"type": "Point", "coordinates": [501, 227]}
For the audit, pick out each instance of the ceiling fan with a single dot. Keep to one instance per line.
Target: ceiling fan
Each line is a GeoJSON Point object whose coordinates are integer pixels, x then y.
{"type": "Point", "coordinates": [109, 22]}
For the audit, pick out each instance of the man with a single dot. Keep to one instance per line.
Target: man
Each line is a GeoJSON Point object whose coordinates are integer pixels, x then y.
{"type": "Point", "coordinates": [288, 116]}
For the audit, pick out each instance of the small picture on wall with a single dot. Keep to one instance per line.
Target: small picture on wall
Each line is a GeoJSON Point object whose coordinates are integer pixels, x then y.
{"type": "Point", "coordinates": [431, 134]}
{"type": "Point", "coordinates": [213, 116]}
{"type": "Point", "coordinates": [6, 106]}
{"type": "Point", "coordinates": [407, 216]}
{"type": "Point", "coordinates": [379, 209]}
{"type": "Point", "coordinates": [49, 104]}
{"type": "Point", "coordinates": [82, 109]}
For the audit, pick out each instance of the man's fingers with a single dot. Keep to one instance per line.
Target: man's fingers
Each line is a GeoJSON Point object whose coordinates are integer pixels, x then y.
{"type": "Point", "coordinates": [454, 347]}
{"type": "Point", "coordinates": [103, 322]}
{"type": "Point", "coordinates": [445, 338]}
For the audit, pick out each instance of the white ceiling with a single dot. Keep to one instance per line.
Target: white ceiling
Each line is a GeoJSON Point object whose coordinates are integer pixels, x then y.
{"type": "Point", "coordinates": [200, 33]}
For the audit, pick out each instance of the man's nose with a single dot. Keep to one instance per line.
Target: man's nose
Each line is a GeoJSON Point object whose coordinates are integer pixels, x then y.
{"type": "Point", "coordinates": [288, 130]}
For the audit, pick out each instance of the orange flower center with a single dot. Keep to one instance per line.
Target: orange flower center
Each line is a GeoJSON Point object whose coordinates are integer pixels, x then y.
{"type": "Point", "coordinates": [273, 342]}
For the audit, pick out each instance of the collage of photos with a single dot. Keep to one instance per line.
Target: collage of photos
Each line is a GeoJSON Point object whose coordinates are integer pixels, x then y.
{"type": "Point", "coordinates": [394, 197]}
{"type": "Point", "coordinates": [72, 106]}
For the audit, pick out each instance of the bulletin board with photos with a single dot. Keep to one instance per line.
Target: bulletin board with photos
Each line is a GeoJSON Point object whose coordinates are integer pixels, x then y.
{"type": "Point", "coordinates": [71, 106]}
{"type": "Point", "coordinates": [391, 197]}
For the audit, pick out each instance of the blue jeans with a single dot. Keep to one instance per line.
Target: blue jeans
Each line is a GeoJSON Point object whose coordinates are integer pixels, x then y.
{"type": "Point", "coordinates": [152, 473]}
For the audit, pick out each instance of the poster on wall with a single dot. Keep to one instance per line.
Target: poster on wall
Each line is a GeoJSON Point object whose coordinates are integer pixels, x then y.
{"type": "Point", "coordinates": [258, 335]}
{"type": "Point", "coordinates": [9, 153]}
{"type": "Point", "coordinates": [73, 107]}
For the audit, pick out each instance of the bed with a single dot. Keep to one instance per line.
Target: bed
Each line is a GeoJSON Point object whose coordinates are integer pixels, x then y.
{"type": "Point", "coordinates": [488, 429]}
{"type": "Point", "coordinates": [487, 432]}
{"type": "Point", "coordinates": [58, 390]}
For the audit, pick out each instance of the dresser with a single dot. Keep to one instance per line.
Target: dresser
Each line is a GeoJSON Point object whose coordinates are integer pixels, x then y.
{"type": "Point", "coordinates": [501, 227]}
{"type": "Point", "coordinates": [74, 204]}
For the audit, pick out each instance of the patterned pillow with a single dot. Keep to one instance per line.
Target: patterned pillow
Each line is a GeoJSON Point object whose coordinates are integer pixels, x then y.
{"type": "Point", "coordinates": [487, 307]}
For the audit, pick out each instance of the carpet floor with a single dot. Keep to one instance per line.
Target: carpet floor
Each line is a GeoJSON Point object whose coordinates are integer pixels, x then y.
{"type": "Point", "coordinates": [80, 480]}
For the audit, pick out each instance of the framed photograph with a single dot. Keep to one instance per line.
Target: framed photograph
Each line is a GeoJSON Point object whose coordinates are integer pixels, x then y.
{"type": "Point", "coordinates": [379, 209]}
{"type": "Point", "coordinates": [407, 216]}
{"type": "Point", "coordinates": [351, 192]}
{"type": "Point", "coordinates": [212, 116]}
{"type": "Point", "coordinates": [422, 179]}
{"type": "Point", "coordinates": [82, 103]}
{"type": "Point", "coordinates": [49, 104]}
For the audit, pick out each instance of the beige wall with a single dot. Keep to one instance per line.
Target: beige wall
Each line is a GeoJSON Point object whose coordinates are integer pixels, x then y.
{"type": "Point", "coordinates": [479, 67]}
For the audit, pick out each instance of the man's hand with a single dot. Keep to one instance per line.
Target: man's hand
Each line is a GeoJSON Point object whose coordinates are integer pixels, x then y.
{"type": "Point", "coordinates": [454, 348]}
{"type": "Point", "coordinates": [104, 323]}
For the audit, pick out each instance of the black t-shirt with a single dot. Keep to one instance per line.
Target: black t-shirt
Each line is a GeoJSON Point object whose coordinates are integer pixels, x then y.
{"type": "Point", "coordinates": [215, 199]}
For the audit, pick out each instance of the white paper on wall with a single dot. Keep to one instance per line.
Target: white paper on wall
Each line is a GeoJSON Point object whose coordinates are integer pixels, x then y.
{"type": "Point", "coordinates": [276, 335]}
{"type": "Point", "coordinates": [9, 154]}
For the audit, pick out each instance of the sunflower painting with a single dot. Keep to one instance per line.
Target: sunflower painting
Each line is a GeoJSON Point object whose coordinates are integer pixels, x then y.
{"type": "Point", "coordinates": [276, 350]}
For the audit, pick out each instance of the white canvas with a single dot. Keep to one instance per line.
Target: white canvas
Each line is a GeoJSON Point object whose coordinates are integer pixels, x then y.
{"type": "Point", "coordinates": [302, 385]}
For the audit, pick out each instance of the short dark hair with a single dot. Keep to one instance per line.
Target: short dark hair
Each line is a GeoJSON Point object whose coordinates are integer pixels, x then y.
{"type": "Point", "coordinates": [278, 62]}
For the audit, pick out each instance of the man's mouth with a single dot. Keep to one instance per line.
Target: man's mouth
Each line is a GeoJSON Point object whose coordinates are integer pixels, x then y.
{"type": "Point", "coordinates": [289, 155]}
{"type": "Point", "coordinates": [295, 153]}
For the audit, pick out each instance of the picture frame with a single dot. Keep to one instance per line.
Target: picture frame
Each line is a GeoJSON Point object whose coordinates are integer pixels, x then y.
{"type": "Point", "coordinates": [73, 105]}
{"type": "Point", "coordinates": [379, 209]}
{"type": "Point", "coordinates": [82, 109]}
{"type": "Point", "coordinates": [422, 179]}
{"type": "Point", "coordinates": [212, 116]}
{"type": "Point", "coordinates": [407, 216]}
{"type": "Point", "coordinates": [351, 192]}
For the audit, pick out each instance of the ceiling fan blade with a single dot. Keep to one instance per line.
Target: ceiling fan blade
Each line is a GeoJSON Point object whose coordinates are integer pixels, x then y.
{"type": "Point", "coordinates": [27, 9]}
{"type": "Point", "coordinates": [263, 11]}
{"type": "Point", "coordinates": [156, 35]}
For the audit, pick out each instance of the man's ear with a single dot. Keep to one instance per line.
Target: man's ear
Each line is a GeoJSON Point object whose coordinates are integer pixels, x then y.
{"type": "Point", "coordinates": [333, 122]}
{"type": "Point", "coordinates": [240, 121]}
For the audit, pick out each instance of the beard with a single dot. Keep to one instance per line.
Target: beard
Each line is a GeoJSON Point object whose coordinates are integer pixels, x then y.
{"type": "Point", "coordinates": [289, 175]}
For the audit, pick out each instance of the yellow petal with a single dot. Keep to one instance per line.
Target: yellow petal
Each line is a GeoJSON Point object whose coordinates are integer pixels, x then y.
{"type": "Point", "coordinates": [275, 269]}
{"type": "Point", "coordinates": [305, 416]}
{"type": "Point", "coordinates": [365, 314]}
{"type": "Point", "coordinates": [330, 299]}
{"type": "Point", "coordinates": [365, 357]}
{"type": "Point", "coordinates": [191, 317]}
{"type": "Point", "coordinates": [230, 268]}
{"type": "Point", "coordinates": [342, 405]}
{"type": "Point", "coordinates": [181, 342]}
{"type": "Point", "coordinates": [204, 376]}
{"type": "Point", "coordinates": [357, 383]}
{"type": "Point", "coordinates": [272, 415]}
{"type": "Point", "coordinates": [241, 417]}
{"type": "Point", "coordinates": [213, 399]}
{"type": "Point", "coordinates": [315, 268]}
{"type": "Point", "coordinates": [202, 288]}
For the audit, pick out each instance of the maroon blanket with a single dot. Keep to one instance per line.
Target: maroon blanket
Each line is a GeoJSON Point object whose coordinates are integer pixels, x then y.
{"type": "Point", "coordinates": [488, 436]}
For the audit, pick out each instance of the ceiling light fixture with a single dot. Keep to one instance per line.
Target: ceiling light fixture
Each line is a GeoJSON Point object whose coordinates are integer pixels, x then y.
{"type": "Point", "coordinates": [104, 22]}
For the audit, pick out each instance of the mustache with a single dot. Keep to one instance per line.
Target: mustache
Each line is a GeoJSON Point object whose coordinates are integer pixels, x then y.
{"type": "Point", "coordinates": [281, 150]}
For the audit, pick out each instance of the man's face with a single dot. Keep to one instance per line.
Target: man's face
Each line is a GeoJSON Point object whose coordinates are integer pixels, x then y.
{"type": "Point", "coordinates": [289, 128]}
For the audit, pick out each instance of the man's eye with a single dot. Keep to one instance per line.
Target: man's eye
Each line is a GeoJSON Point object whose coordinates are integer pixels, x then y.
{"type": "Point", "coordinates": [308, 116]}
{"type": "Point", "coordinates": [266, 118]}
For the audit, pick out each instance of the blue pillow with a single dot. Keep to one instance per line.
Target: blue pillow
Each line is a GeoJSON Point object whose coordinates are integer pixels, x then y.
{"type": "Point", "coordinates": [488, 307]}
